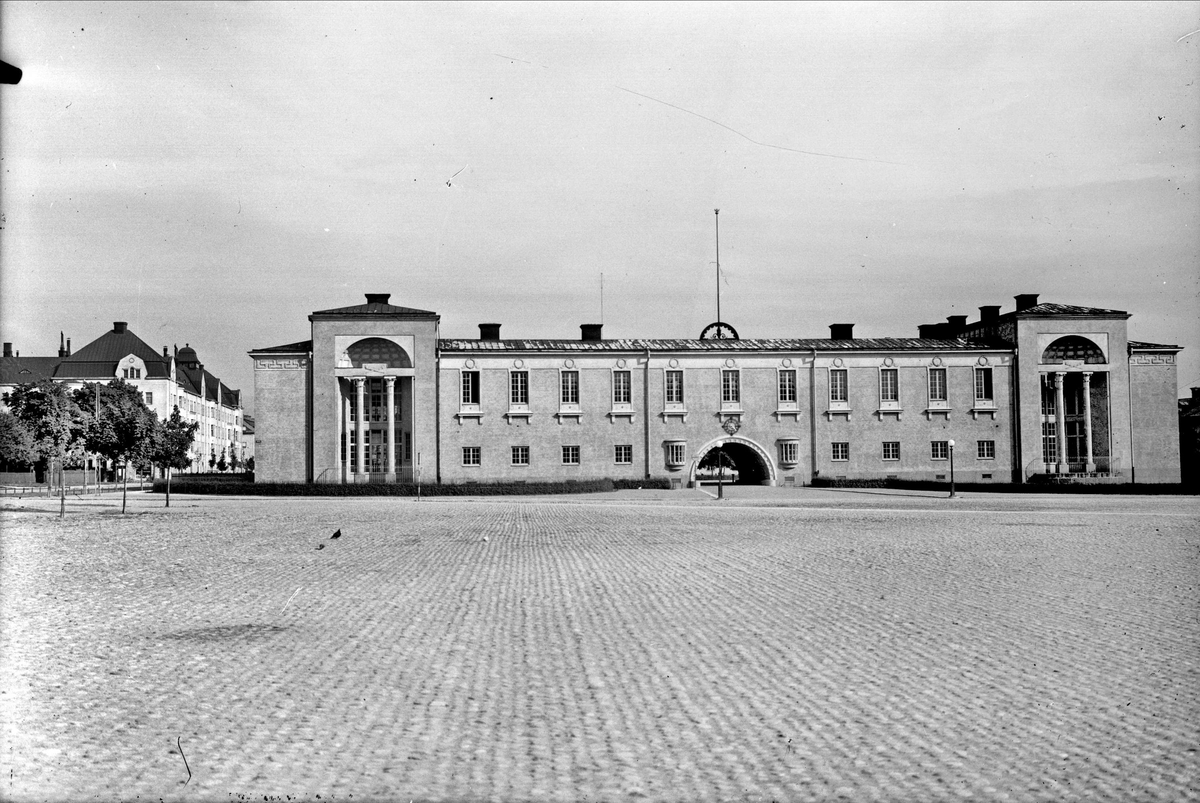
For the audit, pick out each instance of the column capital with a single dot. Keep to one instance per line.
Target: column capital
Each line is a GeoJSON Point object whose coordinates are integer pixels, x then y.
{"type": "Point", "coordinates": [391, 380]}
{"type": "Point", "coordinates": [1058, 378]}
{"type": "Point", "coordinates": [1087, 376]}
{"type": "Point", "coordinates": [358, 381]}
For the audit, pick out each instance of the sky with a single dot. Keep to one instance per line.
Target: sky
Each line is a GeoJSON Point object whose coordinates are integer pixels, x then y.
{"type": "Point", "coordinates": [211, 173]}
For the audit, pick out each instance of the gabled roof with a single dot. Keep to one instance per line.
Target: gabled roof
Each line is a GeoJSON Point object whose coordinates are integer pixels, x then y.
{"type": "Point", "coordinates": [759, 344]}
{"type": "Point", "coordinates": [300, 347]}
{"type": "Point", "coordinates": [377, 308]}
{"type": "Point", "coordinates": [21, 370]}
{"type": "Point", "coordinates": [99, 358]}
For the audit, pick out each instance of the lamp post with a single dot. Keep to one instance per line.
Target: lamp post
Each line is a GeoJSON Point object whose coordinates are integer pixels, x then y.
{"type": "Point", "coordinates": [721, 471]}
{"type": "Point", "coordinates": [951, 445]}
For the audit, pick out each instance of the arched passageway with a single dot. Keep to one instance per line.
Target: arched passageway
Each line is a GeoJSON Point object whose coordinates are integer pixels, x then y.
{"type": "Point", "coordinates": [745, 463]}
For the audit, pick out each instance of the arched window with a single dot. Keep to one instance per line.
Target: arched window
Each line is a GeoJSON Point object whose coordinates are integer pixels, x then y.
{"type": "Point", "coordinates": [1074, 348]}
{"type": "Point", "coordinates": [377, 351]}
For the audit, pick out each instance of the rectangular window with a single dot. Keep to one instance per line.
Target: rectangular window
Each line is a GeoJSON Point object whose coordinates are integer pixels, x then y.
{"type": "Point", "coordinates": [891, 450]}
{"type": "Point", "coordinates": [789, 452]}
{"type": "Point", "coordinates": [570, 387]}
{"type": "Point", "coordinates": [940, 450]}
{"type": "Point", "coordinates": [983, 384]}
{"type": "Point", "coordinates": [676, 454]}
{"type": "Point", "coordinates": [985, 450]}
{"type": "Point", "coordinates": [518, 384]}
{"type": "Point", "coordinates": [131, 373]}
{"type": "Point", "coordinates": [621, 387]}
{"type": "Point", "coordinates": [787, 387]}
{"type": "Point", "coordinates": [841, 451]}
{"type": "Point", "coordinates": [623, 455]}
{"type": "Point", "coordinates": [674, 387]}
{"type": "Point", "coordinates": [520, 455]}
{"type": "Point", "coordinates": [937, 384]}
{"type": "Point", "coordinates": [889, 385]}
{"type": "Point", "coordinates": [472, 455]}
{"type": "Point", "coordinates": [149, 399]}
{"type": "Point", "coordinates": [570, 455]}
{"type": "Point", "coordinates": [470, 387]}
{"type": "Point", "coordinates": [1049, 442]}
{"type": "Point", "coordinates": [731, 387]}
{"type": "Point", "coordinates": [837, 385]}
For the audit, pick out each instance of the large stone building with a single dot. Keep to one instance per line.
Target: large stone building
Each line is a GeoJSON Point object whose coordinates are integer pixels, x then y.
{"type": "Point", "coordinates": [166, 380]}
{"type": "Point", "coordinates": [376, 396]}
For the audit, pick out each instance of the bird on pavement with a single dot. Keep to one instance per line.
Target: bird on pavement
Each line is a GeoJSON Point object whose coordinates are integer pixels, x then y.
{"type": "Point", "coordinates": [338, 534]}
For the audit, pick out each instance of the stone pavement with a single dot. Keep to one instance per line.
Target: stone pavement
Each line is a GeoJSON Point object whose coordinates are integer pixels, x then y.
{"type": "Point", "coordinates": [779, 645]}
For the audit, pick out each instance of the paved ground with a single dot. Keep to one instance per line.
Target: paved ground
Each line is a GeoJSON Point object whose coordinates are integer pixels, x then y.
{"type": "Point", "coordinates": [779, 645]}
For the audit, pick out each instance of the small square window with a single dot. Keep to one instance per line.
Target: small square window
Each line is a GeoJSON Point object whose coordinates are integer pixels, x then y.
{"type": "Point", "coordinates": [789, 453]}
{"type": "Point", "coordinates": [623, 454]}
{"type": "Point", "coordinates": [841, 451]}
{"type": "Point", "coordinates": [149, 399]}
{"type": "Point", "coordinates": [570, 455]}
{"type": "Point", "coordinates": [891, 450]}
{"type": "Point", "coordinates": [520, 455]}
{"type": "Point", "coordinates": [472, 455]}
{"type": "Point", "coordinates": [940, 450]}
{"type": "Point", "coordinates": [986, 450]}
{"type": "Point", "coordinates": [676, 453]}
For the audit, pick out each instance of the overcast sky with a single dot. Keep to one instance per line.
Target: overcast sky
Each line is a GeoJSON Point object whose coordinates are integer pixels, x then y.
{"type": "Point", "coordinates": [212, 173]}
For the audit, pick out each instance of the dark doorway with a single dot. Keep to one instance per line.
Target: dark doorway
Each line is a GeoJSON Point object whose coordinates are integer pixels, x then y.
{"type": "Point", "coordinates": [743, 466]}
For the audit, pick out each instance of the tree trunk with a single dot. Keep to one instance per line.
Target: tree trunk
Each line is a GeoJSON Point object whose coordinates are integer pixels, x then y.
{"type": "Point", "coordinates": [168, 486]}
{"type": "Point", "coordinates": [62, 498]}
{"type": "Point", "coordinates": [124, 485]}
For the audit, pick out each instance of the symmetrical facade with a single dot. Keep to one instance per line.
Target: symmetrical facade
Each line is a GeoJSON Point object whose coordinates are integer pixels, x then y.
{"type": "Point", "coordinates": [165, 381]}
{"type": "Point", "coordinates": [376, 396]}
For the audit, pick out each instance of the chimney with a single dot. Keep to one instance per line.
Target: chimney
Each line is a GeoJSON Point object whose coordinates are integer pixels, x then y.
{"type": "Point", "coordinates": [62, 346]}
{"type": "Point", "coordinates": [489, 331]}
{"type": "Point", "coordinates": [1026, 300]}
{"type": "Point", "coordinates": [989, 314]}
{"type": "Point", "coordinates": [1195, 391]}
{"type": "Point", "coordinates": [929, 331]}
{"type": "Point", "coordinates": [590, 331]}
{"type": "Point", "coordinates": [8, 349]}
{"type": "Point", "coordinates": [955, 324]}
{"type": "Point", "coordinates": [120, 327]}
{"type": "Point", "coordinates": [165, 355]}
{"type": "Point", "coordinates": [841, 331]}
{"type": "Point", "coordinates": [378, 298]}
{"type": "Point", "coordinates": [68, 347]}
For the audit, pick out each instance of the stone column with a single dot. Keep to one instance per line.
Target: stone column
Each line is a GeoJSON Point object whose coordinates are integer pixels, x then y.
{"type": "Point", "coordinates": [1087, 419]}
{"type": "Point", "coordinates": [360, 429]}
{"type": "Point", "coordinates": [1060, 422]}
{"type": "Point", "coordinates": [391, 428]}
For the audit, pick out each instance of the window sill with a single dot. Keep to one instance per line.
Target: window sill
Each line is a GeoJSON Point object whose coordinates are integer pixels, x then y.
{"type": "Point", "coordinates": [989, 409]}
{"type": "Point", "coordinates": [463, 415]}
{"type": "Point", "coordinates": [613, 415]}
{"type": "Point", "coordinates": [782, 411]}
{"type": "Point", "coordinates": [511, 414]}
{"type": "Point", "coordinates": [563, 414]}
{"type": "Point", "coordinates": [930, 412]}
{"type": "Point", "coordinates": [681, 414]}
{"type": "Point", "coordinates": [896, 411]}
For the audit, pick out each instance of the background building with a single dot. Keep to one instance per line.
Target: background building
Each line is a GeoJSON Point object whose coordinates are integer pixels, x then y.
{"type": "Point", "coordinates": [165, 380]}
{"type": "Point", "coordinates": [376, 396]}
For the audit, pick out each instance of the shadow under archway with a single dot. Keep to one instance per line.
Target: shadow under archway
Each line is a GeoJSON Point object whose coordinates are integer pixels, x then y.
{"type": "Point", "coordinates": [742, 458]}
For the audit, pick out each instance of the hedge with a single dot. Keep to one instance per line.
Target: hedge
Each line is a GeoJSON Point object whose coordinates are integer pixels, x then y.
{"type": "Point", "coordinates": [189, 486]}
{"type": "Point", "coordinates": [1032, 487]}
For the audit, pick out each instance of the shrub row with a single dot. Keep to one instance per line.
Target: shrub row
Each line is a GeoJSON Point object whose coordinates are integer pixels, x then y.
{"type": "Point", "coordinates": [1039, 487]}
{"type": "Point", "coordinates": [654, 483]}
{"type": "Point", "coordinates": [187, 485]}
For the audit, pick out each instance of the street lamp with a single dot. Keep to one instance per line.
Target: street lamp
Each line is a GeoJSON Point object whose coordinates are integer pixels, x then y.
{"type": "Point", "coordinates": [951, 445]}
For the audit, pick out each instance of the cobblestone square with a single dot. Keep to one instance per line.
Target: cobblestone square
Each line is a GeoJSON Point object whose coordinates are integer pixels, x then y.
{"type": "Point", "coordinates": [788, 645]}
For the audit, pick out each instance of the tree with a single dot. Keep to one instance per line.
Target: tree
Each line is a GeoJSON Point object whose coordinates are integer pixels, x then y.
{"type": "Point", "coordinates": [235, 460]}
{"type": "Point", "coordinates": [172, 446]}
{"type": "Point", "coordinates": [250, 464]}
{"type": "Point", "coordinates": [17, 447]}
{"type": "Point", "coordinates": [55, 422]}
{"type": "Point", "coordinates": [124, 428]}
{"type": "Point", "coordinates": [212, 459]}
{"type": "Point", "coordinates": [221, 463]}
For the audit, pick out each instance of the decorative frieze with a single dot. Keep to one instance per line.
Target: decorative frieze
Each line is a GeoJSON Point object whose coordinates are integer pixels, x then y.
{"type": "Point", "coordinates": [1151, 359]}
{"type": "Point", "coordinates": [280, 365]}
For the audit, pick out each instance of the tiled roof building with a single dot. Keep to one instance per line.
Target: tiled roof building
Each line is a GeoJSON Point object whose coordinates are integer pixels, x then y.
{"type": "Point", "coordinates": [1046, 389]}
{"type": "Point", "coordinates": [165, 380]}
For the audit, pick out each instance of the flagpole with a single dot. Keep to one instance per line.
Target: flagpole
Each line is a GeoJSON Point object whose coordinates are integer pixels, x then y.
{"type": "Point", "coordinates": [717, 223]}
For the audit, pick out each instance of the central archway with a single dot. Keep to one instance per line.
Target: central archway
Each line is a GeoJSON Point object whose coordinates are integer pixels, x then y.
{"type": "Point", "coordinates": [753, 464]}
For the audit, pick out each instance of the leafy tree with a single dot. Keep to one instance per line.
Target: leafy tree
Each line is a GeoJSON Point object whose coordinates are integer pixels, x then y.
{"type": "Point", "coordinates": [124, 428]}
{"type": "Point", "coordinates": [55, 422]}
{"type": "Point", "coordinates": [212, 459]}
{"type": "Point", "coordinates": [17, 448]}
{"type": "Point", "coordinates": [250, 463]}
{"type": "Point", "coordinates": [235, 461]}
{"type": "Point", "coordinates": [221, 463]}
{"type": "Point", "coordinates": [173, 444]}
